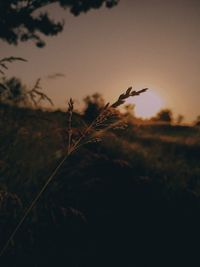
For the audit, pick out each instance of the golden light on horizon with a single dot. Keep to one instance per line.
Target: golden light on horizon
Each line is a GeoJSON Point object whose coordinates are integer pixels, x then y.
{"type": "Point", "coordinates": [148, 104]}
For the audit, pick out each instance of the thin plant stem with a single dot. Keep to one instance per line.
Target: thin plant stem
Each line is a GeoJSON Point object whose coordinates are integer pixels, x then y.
{"type": "Point", "coordinates": [33, 203]}
{"type": "Point", "coordinates": [70, 150]}
{"type": "Point", "coordinates": [70, 113]}
{"type": "Point", "coordinates": [69, 134]}
{"type": "Point", "coordinates": [76, 145]}
{"type": "Point", "coordinates": [35, 200]}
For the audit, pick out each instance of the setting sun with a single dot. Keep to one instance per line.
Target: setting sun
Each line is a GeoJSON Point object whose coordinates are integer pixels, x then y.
{"type": "Point", "coordinates": [148, 104]}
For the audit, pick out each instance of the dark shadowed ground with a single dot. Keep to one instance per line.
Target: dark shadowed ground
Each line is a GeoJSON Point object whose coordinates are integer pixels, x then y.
{"type": "Point", "coordinates": [131, 200]}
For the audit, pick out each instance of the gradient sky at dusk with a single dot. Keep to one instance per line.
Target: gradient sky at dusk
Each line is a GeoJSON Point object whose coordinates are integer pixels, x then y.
{"type": "Point", "coordinates": [144, 43]}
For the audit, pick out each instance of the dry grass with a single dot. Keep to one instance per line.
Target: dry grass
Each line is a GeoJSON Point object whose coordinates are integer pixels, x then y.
{"type": "Point", "coordinates": [6, 60]}
{"type": "Point", "coordinates": [107, 119]}
{"type": "Point", "coordinates": [36, 95]}
{"type": "Point", "coordinates": [33, 96]}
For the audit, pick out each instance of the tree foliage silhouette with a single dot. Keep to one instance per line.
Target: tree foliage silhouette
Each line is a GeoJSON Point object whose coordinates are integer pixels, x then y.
{"type": "Point", "coordinates": [165, 115]}
{"type": "Point", "coordinates": [23, 20]}
{"type": "Point", "coordinates": [12, 91]}
{"type": "Point", "coordinates": [94, 104]}
{"type": "Point", "coordinates": [197, 122]}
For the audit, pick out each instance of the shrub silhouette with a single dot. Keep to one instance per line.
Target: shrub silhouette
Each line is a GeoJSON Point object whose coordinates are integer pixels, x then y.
{"type": "Point", "coordinates": [197, 121]}
{"type": "Point", "coordinates": [180, 119]}
{"type": "Point", "coordinates": [13, 91]}
{"type": "Point", "coordinates": [164, 115]}
{"type": "Point", "coordinates": [94, 104]}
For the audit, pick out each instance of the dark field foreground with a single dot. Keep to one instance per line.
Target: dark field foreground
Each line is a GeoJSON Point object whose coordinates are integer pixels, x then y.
{"type": "Point", "coordinates": [131, 200]}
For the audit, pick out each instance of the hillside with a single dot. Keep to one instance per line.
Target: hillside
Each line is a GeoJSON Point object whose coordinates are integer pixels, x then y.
{"type": "Point", "coordinates": [136, 192]}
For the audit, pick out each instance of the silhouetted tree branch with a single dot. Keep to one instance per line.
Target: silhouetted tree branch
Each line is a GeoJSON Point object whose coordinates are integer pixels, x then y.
{"type": "Point", "coordinates": [14, 92]}
{"type": "Point", "coordinates": [22, 20]}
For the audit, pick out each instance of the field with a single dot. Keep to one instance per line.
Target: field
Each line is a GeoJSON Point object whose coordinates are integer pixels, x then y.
{"type": "Point", "coordinates": [130, 200]}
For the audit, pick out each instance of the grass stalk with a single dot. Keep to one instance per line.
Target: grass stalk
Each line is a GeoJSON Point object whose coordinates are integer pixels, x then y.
{"type": "Point", "coordinates": [33, 203]}
{"type": "Point", "coordinates": [72, 148]}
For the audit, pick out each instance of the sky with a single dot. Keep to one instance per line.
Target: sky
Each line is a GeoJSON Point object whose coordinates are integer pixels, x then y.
{"type": "Point", "coordinates": [139, 43]}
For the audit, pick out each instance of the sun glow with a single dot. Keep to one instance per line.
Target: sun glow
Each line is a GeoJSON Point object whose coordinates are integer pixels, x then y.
{"type": "Point", "coordinates": [147, 104]}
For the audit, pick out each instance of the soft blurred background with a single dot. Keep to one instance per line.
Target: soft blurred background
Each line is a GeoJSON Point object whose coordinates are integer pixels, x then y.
{"type": "Point", "coordinates": [130, 194]}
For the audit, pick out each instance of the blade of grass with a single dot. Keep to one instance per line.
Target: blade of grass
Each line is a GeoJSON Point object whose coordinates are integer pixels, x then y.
{"type": "Point", "coordinates": [33, 203]}
{"type": "Point", "coordinates": [70, 150]}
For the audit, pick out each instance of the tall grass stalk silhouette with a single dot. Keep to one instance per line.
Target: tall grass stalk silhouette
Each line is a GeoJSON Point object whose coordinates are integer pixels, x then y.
{"type": "Point", "coordinates": [6, 60]}
{"type": "Point", "coordinates": [107, 118]}
{"type": "Point", "coordinates": [4, 66]}
{"type": "Point", "coordinates": [33, 96]}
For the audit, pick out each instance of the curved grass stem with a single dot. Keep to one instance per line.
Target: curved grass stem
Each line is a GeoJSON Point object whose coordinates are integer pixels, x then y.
{"type": "Point", "coordinates": [33, 203]}
{"type": "Point", "coordinates": [72, 148]}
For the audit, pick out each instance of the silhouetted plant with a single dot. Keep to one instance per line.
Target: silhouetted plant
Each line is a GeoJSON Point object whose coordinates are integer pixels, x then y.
{"type": "Point", "coordinates": [36, 95]}
{"type": "Point", "coordinates": [6, 60]}
{"type": "Point", "coordinates": [13, 92]}
{"type": "Point", "coordinates": [129, 110]}
{"type": "Point", "coordinates": [180, 119]}
{"type": "Point", "coordinates": [94, 104]}
{"type": "Point", "coordinates": [197, 121]}
{"type": "Point", "coordinates": [164, 115]}
{"type": "Point", "coordinates": [106, 119]}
